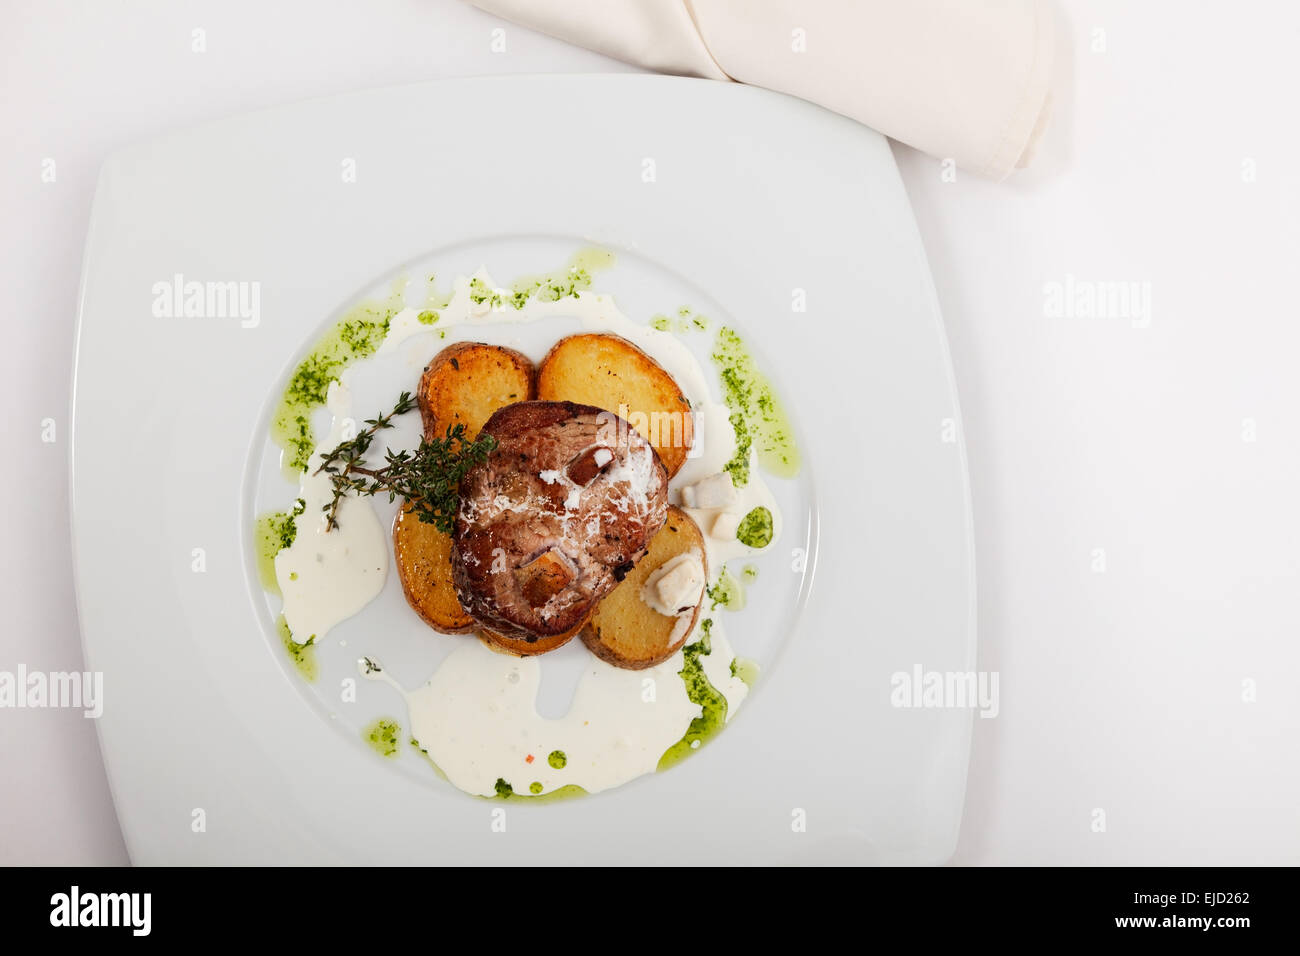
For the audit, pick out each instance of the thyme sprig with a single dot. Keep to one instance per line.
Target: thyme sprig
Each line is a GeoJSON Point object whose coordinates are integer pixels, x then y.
{"type": "Point", "coordinates": [428, 480]}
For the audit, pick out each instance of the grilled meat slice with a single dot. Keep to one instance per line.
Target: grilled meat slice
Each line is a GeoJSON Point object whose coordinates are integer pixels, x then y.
{"type": "Point", "coordinates": [556, 516]}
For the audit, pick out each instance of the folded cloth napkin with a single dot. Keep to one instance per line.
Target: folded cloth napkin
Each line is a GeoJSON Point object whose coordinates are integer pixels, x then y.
{"type": "Point", "coordinates": [967, 80]}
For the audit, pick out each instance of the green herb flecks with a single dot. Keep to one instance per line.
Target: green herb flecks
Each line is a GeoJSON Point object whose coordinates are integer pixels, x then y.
{"type": "Point", "coordinates": [382, 736]}
{"type": "Point", "coordinates": [358, 334]}
{"type": "Point", "coordinates": [757, 417]}
{"type": "Point", "coordinates": [480, 293]}
{"type": "Point", "coordinates": [702, 692]}
{"type": "Point", "coordinates": [727, 592]}
{"type": "Point", "coordinates": [504, 791]}
{"type": "Point", "coordinates": [755, 530]}
{"type": "Point", "coordinates": [564, 283]}
{"type": "Point", "coordinates": [686, 320]}
{"type": "Point", "coordinates": [302, 655]}
{"type": "Point", "coordinates": [272, 533]}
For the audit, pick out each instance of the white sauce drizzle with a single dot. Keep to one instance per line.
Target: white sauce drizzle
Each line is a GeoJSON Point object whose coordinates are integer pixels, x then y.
{"type": "Point", "coordinates": [327, 576]}
{"type": "Point", "coordinates": [478, 720]}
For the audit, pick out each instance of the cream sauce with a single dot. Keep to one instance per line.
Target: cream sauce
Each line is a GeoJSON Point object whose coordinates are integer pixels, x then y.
{"type": "Point", "coordinates": [477, 719]}
{"type": "Point", "coordinates": [326, 576]}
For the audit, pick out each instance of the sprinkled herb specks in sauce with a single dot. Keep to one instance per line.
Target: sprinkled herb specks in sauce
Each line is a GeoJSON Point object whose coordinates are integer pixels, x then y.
{"type": "Point", "coordinates": [759, 420]}
{"type": "Point", "coordinates": [505, 791]}
{"type": "Point", "coordinates": [382, 736]}
{"type": "Point", "coordinates": [272, 533]}
{"type": "Point", "coordinates": [564, 283]}
{"type": "Point", "coordinates": [355, 336]}
{"type": "Point", "coordinates": [755, 529]}
{"type": "Point", "coordinates": [727, 591]}
{"type": "Point", "coordinates": [302, 655]}
{"type": "Point", "coordinates": [702, 692]}
{"type": "Point", "coordinates": [686, 320]}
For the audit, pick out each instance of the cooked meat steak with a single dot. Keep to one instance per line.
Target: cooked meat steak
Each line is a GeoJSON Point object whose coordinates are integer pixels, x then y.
{"type": "Point", "coordinates": [556, 516]}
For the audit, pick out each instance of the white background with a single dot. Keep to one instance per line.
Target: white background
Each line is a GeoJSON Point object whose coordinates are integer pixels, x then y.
{"type": "Point", "coordinates": [1121, 690]}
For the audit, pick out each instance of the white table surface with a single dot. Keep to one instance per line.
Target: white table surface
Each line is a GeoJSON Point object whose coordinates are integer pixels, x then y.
{"type": "Point", "coordinates": [1121, 690]}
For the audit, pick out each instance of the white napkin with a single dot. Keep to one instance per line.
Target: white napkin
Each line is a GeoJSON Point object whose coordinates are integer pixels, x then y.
{"type": "Point", "coordinates": [967, 80]}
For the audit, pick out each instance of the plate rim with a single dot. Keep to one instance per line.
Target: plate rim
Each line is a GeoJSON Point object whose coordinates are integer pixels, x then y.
{"type": "Point", "coordinates": [123, 155]}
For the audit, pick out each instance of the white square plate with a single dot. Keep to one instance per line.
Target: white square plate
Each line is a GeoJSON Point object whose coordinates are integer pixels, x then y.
{"type": "Point", "coordinates": [756, 204]}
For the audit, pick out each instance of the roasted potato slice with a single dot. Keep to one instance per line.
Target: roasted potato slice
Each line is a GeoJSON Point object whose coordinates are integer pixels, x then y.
{"type": "Point", "coordinates": [465, 383]}
{"type": "Point", "coordinates": [626, 631]}
{"type": "Point", "coordinates": [423, 557]}
{"type": "Point", "coordinates": [517, 647]}
{"type": "Point", "coordinates": [611, 373]}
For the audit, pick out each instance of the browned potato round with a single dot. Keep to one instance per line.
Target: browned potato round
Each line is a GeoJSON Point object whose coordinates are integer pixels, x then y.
{"type": "Point", "coordinates": [627, 632]}
{"type": "Point", "coordinates": [611, 373]}
{"type": "Point", "coordinates": [423, 557]}
{"type": "Point", "coordinates": [516, 647]}
{"type": "Point", "coordinates": [465, 383]}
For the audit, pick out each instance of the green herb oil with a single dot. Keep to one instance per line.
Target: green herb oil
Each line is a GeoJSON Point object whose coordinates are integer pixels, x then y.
{"type": "Point", "coordinates": [702, 692]}
{"type": "Point", "coordinates": [356, 335]}
{"type": "Point", "coordinates": [757, 417]}
{"type": "Point", "coordinates": [382, 736]}
{"type": "Point", "coordinates": [302, 655]}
